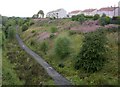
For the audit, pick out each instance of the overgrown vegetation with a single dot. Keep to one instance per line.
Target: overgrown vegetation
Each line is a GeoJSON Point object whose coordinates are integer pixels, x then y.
{"type": "Point", "coordinates": [107, 70]}
{"type": "Point", "coordinates": [92, 54]}
{"type": "Point", "coordinates": [18, 67]}
{"type": "Point", "coordinates": [62, 47]}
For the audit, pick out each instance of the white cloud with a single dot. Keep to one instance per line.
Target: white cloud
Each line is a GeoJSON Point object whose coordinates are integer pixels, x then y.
{"type": "Point", "coordinates": [29, 7]}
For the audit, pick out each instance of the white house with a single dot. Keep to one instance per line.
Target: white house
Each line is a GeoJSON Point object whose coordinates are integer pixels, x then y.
{"type": "Point", "coordinates": [73, 13]}
{"type": "Point", "coordinates": [90, 12]}
{"type": "Point", "coordinates": [59, 13]}
{"type": "Point", "coordinates": [109, 11]}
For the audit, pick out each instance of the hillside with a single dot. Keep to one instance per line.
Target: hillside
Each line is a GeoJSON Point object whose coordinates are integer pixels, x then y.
{"type": "Point", "coordinates": [41, 37]}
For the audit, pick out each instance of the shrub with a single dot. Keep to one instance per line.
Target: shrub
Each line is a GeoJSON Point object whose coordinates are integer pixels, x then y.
{"type": "Point", "coordinates": [11, 32]}
{"type": "Point", "coordinates": [24, 27]}
{"type": "Point", "coordinates": [61, 65]}
{"type": "Point", "coordinates": [92, 54]}
{"type": "Point", "coordinates": [44, 47]}
{"type": "Point", "coordinates": [104, 20]}
{"type": "Point", "coordinates": [72, 32]}
{"type": "Point", "coordinates": [96, 17]}
{"type": "Point", "coordinates": [33, 31]}
{"type": "Point", "coordinates": [88, 17]}
{"type": "Point", "coordinates": [62, 47]}
{"type": "Point", "coordinates": [53, 29]}
{"type": "Point", "coordinates": [115, 20]}
{"type": "Point", "coordinates": [81, 19]}
{"type": "Point", "coordinates": [52, 35]}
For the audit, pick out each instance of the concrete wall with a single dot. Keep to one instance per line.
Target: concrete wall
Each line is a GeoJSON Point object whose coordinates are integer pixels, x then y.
{"type": "Point", "coordinates": [119, 8]}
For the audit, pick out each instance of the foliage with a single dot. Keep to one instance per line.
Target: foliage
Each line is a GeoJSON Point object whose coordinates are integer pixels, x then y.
{"type": "Point", "coordinates": [44, 47]}
{"type": "Point", "coordinates": [40, 13]}
{"type": "Point", "coordinates": [9, 75]}
{"type": "Point", "coordinates": [24, 27]}
{"type": "Point", "coordinates": [11, 33]}
{"type": "Point", "coordinates": [72, 32]}
{"type": "Point", "coordinates": [53, 29]}
{"type": "Point", "coordinates": [115, 20]}
{"type": "Point", "coordinates": [88, 17]}
{"type": "Point", "coordinates": [61, 65]}
{"type": "Point", "coordinates": [104, 20]}
{"type": "Point", "coordinates": [96, 17]}
{"type": "Point", "coordinates": [52, 35]}
{"type": "Point", "coordinates": [81, 18]}
{"type": "Point", "coordinates": [62, 47]}
{"type": "Point", "coordinates": [92, 54]}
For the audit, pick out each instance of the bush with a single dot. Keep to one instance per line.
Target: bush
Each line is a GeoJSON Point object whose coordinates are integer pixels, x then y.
{"type": "Point", "coordinates": [11, 32]}
{"type": "Point", "coordinates": [33, 31]}
{"type": "Point", "coordinates": [92, 54]}
{"type": "Point", "coordinates": [53, 29]}
{"type": "Point", "coordinates": [62, 47]}
{"type": "Point", "coordinates": [44, 47]}
{"type": "Point", "coordinates": [96, 17]}
{"type": "Point", "coordinates": [81, 19]}
{"type": "Point", "coordinates": [115, 20]}
{"type": "Point", "coordinates": [24, 27]}
{"type": "Point", "coordinates": [61, 65]}
{"type": "Point", "coordinates": [52, 35]}
{"type": "Point", "coordinates": [88, 17]}
{"type": "Point", "coordinates": [72, 32]}
{"type": "Point", "coordinates": [104, 20]}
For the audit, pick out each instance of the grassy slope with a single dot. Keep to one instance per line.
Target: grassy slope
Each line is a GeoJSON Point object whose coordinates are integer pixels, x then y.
{"type": "Point", "coordinates": [20, 68]}
{"type": "Point", "coordinates": [108, 75]}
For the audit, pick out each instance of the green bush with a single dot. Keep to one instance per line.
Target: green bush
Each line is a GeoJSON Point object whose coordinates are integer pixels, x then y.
{"type": "Point", "coordinates": [96, 17]}
{"type": "Point", "coordinates": [44, 47]}
{"type": "Point", "coordinates": [52, 35]}
{"type": "Point", "coordinates": [24, 27]}
{"type": "Point", "coordinates": [53, 29]}
{"type": "Point", "coordinates": [62, 47]}
{"type": "Point", "coordinates": [115, 20]}
{"type": "Point", "coordinates": [104, 20]}
{"type": "Point", "coordinates": [92, 54]}
{"type": "Point", "coordinates": [81, 19]}
{"type": "Point", "coordinates": [72, 32]}
{"type": "Point", "coordinates": [61, 65]}
{"type": "Point", "coordinates": [11, 32]}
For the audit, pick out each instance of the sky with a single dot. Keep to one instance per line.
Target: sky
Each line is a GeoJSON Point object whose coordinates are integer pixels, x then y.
{"type": "Point", "coordinates": [26, 8]}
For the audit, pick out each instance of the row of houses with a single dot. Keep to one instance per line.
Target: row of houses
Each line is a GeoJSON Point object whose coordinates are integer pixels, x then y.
{"type": "Point", "coordinates": [109, 11]}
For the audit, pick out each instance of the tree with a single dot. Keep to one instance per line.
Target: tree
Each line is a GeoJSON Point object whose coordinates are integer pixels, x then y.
{"type": "Point", "coordinates": [40, 13]}
{"type": "Point", "coordinates": [104, 20]}
{"type": "Point", "coordinates": [96, 17]}
{"type": "Point", "coordinates": [92, 54]}
{"type": "Point", "coordinates": [81, 19]}
{"type": "Point", "coordinates": [62, 47]}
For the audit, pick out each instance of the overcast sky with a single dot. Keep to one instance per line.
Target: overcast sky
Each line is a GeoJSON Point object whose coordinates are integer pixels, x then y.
{"type": "Point", "coordinates": [26, 8]}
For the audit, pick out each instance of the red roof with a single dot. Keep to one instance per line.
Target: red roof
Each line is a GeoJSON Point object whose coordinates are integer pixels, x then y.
{"type": "Point", "coordinates": [74, 12]}
{"type": "Point", "coordinates": [88, 10]}
{"type": "Point", "coordinates": [107, 9]}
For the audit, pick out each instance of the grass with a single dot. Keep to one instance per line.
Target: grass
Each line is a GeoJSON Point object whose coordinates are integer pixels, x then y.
{"type": "Point", "coordinates": [20, 68]}
{"type": "Point", "coordinates": [9, 75]}
{"type": "Point", "coordinates": [107, 76]}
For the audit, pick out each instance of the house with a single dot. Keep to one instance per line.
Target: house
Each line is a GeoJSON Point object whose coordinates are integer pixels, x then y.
{"type": "Point", "coordinates": [90, 12]}
{"type": "Point", "coordinates": [73, 13]}
{"type": "Point", "coordinates": [109, 11]}
{"type": "Point", "coordinates": [59, 13]}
